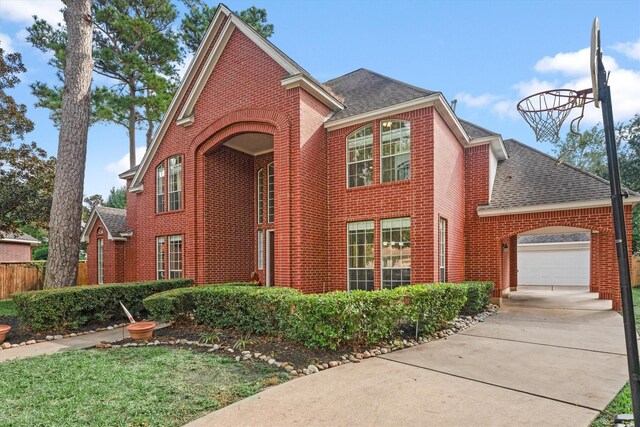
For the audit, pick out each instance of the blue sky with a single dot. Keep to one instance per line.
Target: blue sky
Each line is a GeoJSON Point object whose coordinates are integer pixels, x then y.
{"type": "Point", "coordinates": [486, 54]}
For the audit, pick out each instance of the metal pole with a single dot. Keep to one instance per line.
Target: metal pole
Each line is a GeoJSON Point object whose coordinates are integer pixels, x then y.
{"type": "Point", "coordinates": [617, 205]}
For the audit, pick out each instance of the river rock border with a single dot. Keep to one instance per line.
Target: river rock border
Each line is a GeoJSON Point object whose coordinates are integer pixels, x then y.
{"type": "Point", "coordinates": [8, 346]}
{"type": "Point", "coordinates": [457, 325]}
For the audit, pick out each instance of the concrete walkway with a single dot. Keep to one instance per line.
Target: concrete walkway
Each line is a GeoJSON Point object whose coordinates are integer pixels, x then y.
{"type": "Point", "coordinates": [547, 358]}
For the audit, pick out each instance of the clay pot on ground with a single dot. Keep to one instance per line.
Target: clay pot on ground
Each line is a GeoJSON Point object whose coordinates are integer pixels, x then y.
{"type": "Point", "coordinates": [4, 330]}
{"type": "Point", "coordinates": [141, 330]}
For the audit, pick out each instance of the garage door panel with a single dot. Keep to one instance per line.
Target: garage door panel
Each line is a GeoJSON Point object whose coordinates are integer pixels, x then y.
{"type": "Point", "coordinates": [553, 266]}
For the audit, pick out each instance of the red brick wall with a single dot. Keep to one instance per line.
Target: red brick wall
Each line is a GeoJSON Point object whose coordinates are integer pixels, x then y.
{"type": "Point", "coordinates": [15, 252]}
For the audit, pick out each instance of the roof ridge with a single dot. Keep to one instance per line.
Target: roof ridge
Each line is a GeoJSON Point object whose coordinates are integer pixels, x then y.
{"type": "Point", "coordinates": [344, 75]}
{"type": "Point", "coordinates": [430, 92]}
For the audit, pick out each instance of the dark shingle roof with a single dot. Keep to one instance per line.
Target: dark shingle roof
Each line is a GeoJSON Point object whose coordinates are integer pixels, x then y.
{"type": "Point", "coordinates": [115, 220]}
{"type": "Point", "coordinates": [474, 131]}
{"type": "Point", "coordinates": [529, 177]}
{"type": "Point", "coordinates": [364, 91]}
{"type": "Point", "coordinates": [19, 236]}
{"type": "Point", "coordinates": [555, 238]}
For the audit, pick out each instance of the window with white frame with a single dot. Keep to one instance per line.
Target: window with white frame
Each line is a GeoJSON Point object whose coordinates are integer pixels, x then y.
{"type": "Point", "coordinates": [160, 258]}
{"type": "Point", "coordinates": [100, 261]}
{"type": "Point", "coordinates": [160, 188]}
{"type": "Point", "coordinates": [360, 157]}
{"type": "Point", "coordinates": [259, 196]}
{"type": "Point", "coordinates": [395, 141]}
{"type": "Point", "coordinates": [260, 249]}
{"type": "Point", "coordinates": [175, 257]}
{"type": "Point", "coordinates": [175, 183]}
{"type": "Point", "coordinates": [270, 193]}
{"type": "Point", "coordinates": [396, 252]}
{"type": "Point", "coordinates": [360, 255]}
{"type": "Point", "coordinates": [442, 252]}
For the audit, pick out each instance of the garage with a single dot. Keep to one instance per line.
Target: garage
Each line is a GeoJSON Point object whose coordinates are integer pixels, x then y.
{"type": "Point", "coordinates": [554, 259]}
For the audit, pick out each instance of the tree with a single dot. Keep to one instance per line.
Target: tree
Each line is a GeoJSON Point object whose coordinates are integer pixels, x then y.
{"type": "Point", "coordinates": [66, 208]}
{"type": "Point", "coordinates": [89, 204]}
{"type": "Point", "coordinates": [117, 198]}
{"type": "Point", "coordinates": [195, 22]}
{"type": "Point", "coordinates": [135, 48]}
{"type": "Point", "coordinates": [13, 119]}
{"type": "Point", "coordinates": [589, 154]}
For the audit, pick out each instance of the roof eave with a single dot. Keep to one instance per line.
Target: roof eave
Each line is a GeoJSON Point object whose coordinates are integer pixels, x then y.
{"type": "Point", "coordinates": [484, 211]}
{"type": "Point", "coordinates": [300, 80]}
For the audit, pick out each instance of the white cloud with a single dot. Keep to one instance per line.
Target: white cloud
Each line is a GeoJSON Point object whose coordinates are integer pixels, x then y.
{"type": "Point", "coordinates": [572, 63]}
{"type": "Point", "coordinates": [23, 10]}
{"type": "Point", "coordinates": [6, 43]}
{"type": "Point", "coordinates": [529, 87]}
{"type": "Point", "coordinates": [505, 108]}
{"type": "Point", "coordinates": [629, 49]}
{"type": "Point", "coordinates": [476, 101]}
{"type": "Point", "coordinates": [123, 164]}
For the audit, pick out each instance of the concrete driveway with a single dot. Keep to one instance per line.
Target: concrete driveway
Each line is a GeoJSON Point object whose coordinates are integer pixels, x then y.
{"type": "Point", "coordinates": [547, 358]}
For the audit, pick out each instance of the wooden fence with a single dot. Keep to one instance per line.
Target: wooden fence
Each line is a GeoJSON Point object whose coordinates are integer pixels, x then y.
{"type": "Point", "coordinates": [635, 270]}
{"type": "Point", "coordinates": [28, 276]}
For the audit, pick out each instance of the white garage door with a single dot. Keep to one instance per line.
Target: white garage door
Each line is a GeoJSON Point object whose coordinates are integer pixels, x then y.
{"type": "Point", "coordinates": [554, 264]}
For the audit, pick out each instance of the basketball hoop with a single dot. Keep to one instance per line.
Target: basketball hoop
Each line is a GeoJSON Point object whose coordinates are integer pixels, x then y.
{"type": "Point", "coordinates": [546, 111]}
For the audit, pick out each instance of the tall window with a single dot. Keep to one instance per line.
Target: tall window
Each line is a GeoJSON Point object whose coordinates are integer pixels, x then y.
{"type": "Point", "coordinates": [100, 261]}
{"type": "Point", "coordinates": [175, 257]}
{"type": "Point", "coordinates": [160, 258]}
{"type": "Point", "coordinates": [259, 196]}
{"type": "Point", "coordinates": [175, 183]}
{"type": "Point", "coordinates": [360, 255]}
{"type": "Point", "coordinates": [442, 252]}
{"type": "Point", "coordinates": [360, 157]}
{"type": "Point", "coordinates": [270, 190]}
{"type": "Point", "coordinates": [160, 188]}
{"type": "Point", "coordinates": [260, 249]}
{"type": "Point", "coordinates": [396, 252]}
{"type": "Point", "coordinates": [395, 154]}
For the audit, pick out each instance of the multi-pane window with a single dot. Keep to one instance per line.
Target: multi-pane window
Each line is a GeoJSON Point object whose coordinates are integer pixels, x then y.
{"type": "Point", "coordinates": [270, 193]}
{"type": "Point", "coordinates": [360, 255]}
{"type": "Point", "coordinates": [259, 196]}
{"type": "Point", "coordinates": [396, 252]}
{"type": "Point", "coordinates": [175, 257]}
{"type": "Point", "coordinates": [100, 261]}
{"type": "Point", "coordinates": [395, 139]}
{"type": "Point", "coordinates": [175, 183]}
{"type": "Point", "coordinates": [442, 252]}
{"type": "Point", "coordinates": [360, 157]}
{"type": "Point", "coordinates": [160, 258]}
{"type": "Point", "coordinates": [160, 188]}
{"type": "Point", "coordinates": [260, 249]}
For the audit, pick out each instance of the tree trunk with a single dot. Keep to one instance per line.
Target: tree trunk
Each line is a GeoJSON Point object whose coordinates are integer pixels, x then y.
{"type": "Point", "coordinates": [66, 208]}
{"type": "Point", "coordinates": [150, 129]}
{"type": "Point", "coordinates": [132, 125]}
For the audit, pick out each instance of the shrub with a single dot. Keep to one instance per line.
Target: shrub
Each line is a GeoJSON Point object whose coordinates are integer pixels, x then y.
{"type": "Point", "coordinates": [478, 297]}
{"type": "Point", "coordinates": [431, 306]}
{"type": "Point", "coordinates": [72, 307]}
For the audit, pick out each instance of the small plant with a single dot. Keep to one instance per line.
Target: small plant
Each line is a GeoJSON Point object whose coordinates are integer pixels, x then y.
{"type": "Point", "coordinates": [243, 342]}
{"type": "Point", "coordinates": [210, 337]}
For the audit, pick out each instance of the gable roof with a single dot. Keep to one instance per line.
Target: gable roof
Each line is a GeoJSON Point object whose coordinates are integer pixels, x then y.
{"type": "Point", "coordinates": [474, 131]}
{"type": "Point", "coordinates": [364, 90]}
{"type": "Point", "coordinates": [529, 179]}
{"type": "Point", "coordinates": [113, 219]}
{"type": "Point", "coordinates": [19, 237]}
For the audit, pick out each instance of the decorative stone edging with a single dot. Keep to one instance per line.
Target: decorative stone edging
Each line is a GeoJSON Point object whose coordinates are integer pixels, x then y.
{"type": "Point", "coordinates": [457, 325]}
{"type": "Point", "coordinates": [8, 346]}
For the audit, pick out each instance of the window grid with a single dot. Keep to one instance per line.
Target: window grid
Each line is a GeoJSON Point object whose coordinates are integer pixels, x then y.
{"type": "Point", "coordinates": [260, 249]}
{"type": "Point", "coordinates": [270, 190]}
{"type": "Point", "coordinates": [360, 255]}
{"type": "Point", "coordinates": [175, 183]}
{"type": "Point", "coordinates": [360, 157]}
{"type": "Point", "coordinates": [259, 197]}
{"type": "Point", "coordinates": [160, 188]}
{"type": "Point", "coordinates": [160, 258]}
{"type": "Point", "coordinates": [100, 261]}
{"type": "Point", "coordinates": [395, 139]}
{"type": "Point", "coordinates": [396, 252]}
{"type": "Point", "coordinates": [175, 257]}
{"type": "Point", "coordinates": [442, 244]}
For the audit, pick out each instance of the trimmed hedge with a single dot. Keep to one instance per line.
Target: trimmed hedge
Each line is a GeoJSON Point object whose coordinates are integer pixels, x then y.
{"type": "Point", "coordinates": [319, 320]}
{"type": "Point", "coordinates": [478, 297]}
{"type": "Point", "coordinates": [72, 307]}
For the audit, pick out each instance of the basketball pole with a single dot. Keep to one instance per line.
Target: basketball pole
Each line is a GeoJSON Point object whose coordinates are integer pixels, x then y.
{"type": "Point", "coordinates": [604, 95]}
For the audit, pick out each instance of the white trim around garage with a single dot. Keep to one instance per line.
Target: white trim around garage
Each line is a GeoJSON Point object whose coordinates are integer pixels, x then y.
{"type": "Point", "coordinates": [583, 204]}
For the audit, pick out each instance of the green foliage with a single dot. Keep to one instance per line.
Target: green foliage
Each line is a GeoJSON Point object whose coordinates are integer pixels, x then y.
{"type": "Point", "coordinates": [478, 297]}
{"type": "Point", "coordinates": [13, 120]}
{"type": "Point", "coordinates": [72, 307]}
{"type": "Point", "coordinates": [8, 308]}
{"type": "Point", "coordinates": [117, 198]}
{"type": "Point", "coordinates": [319, 320]}
{"type": "Point", "coordinates": [41, 253]}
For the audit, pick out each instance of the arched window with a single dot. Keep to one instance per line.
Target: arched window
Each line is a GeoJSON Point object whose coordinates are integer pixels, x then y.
{"type": "Point", "coordinates": [99, 231]}
{"type": "Point", "coordinates": [260, 196]}
{"type": "Point", "coordinates": [270, 193]}
{"type": "Point", "coordinates": [395, 141]}
{"type": "Point", "coordinates": [360, 157]}
{"type": "Point", "coordinates": [160, 188]}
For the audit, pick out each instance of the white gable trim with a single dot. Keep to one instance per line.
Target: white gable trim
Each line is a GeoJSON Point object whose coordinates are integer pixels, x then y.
{"type": "Point", "coordinates": [31, 242]}
{"type": "Point", "coordinates": [84, 237]}
{"type": "Point", "coordinates": [300, 80]}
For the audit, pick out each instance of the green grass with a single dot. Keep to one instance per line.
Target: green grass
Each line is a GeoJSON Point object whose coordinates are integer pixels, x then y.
{"type": "Point", "coordinates": [7, 308]}
{"type": "Point", "coordinates": [156, 386]}
{"type": "Point", "coordinates": [621, 404]}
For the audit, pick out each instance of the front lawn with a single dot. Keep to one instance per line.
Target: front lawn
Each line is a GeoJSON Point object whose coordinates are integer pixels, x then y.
{"type": "Point", "coordinates": [7, 308]}
{"type": "Point", "coordinates": [130, 386]}
{"type": "Point", "coordinates": [621, 404]}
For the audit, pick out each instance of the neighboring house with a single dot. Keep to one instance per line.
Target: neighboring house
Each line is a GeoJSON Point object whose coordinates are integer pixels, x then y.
{"type": "Point", "coordinates": [16, 247]}
{"type": "Point", "coordinates": [361, 182]}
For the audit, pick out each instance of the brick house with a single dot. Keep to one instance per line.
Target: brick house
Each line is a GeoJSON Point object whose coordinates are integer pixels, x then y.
{"type": "Point", "coordinates": [361, 182]}
{"type": "Point", "coordinates": [16, 247]}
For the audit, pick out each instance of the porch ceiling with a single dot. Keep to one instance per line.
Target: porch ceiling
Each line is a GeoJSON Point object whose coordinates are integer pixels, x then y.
{"type": "Point", "coordinates": [251, 143]}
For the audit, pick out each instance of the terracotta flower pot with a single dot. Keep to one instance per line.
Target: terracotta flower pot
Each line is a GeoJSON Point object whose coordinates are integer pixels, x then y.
{"type": "Point", "coordinates": [141, 330]}
{"type": "Point", "coordinates": [4, 330]}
